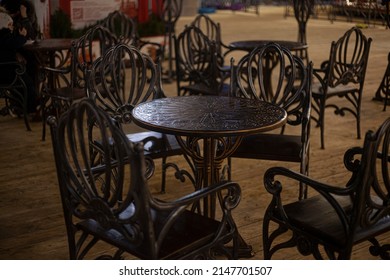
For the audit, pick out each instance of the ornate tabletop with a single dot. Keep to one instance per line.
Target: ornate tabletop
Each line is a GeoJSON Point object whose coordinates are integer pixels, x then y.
{"type": "Point", "coordinates": [208, 116]}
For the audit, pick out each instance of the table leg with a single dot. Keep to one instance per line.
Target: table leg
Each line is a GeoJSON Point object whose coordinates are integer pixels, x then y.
{"type": "Point", "coordinates": [208, 165]}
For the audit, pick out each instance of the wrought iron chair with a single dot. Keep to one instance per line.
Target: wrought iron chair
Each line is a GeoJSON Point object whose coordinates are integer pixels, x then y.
{"type": "Point", "coordinates": [110, 203]}
{"type": "Point", "coordinates": [126, 30]}
{"type": "Point", "coordinates": [212, 30]}
{"type": "Point", "coordinates": [334, 219]}
{"type": "Point", "coordinates": [197, 66]}
{"type": "Point", "coordinates": [252, 78]}
{"type": "Point", "coordinates": [383, 91]}
{"type": "Point", "coordinates": [14, 91]}
{"type": "Point", "coordinates": [341, 76]}
{"type": "Point", "coordinates": [66, 83]}
{"type": "Point", "coordinates": [118, 85]}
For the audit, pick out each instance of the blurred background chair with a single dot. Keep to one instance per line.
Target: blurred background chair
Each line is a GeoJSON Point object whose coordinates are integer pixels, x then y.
{"type": "Point", "coordinates": [110, 203]}
{"type": "Point", "coordinates": [14, 91]}
{"type": "Point", "coordinates": [341, 76]}
{"type": "Point", "coordinates": [66, 84]}
{"type": "Point", "coordinates": [333, 219]}
{"type": "Point", "coordinates": [273, 74]}
{"type": "Point", "coordinates": [170, 12]}
{"type": "Point", "coordinates": [197, 66]}
{"type": "Point", "coordinates": [126, 30]}
{"type": "Point", "coordinates": [118, 85]}
{"type": "Point", "coordinates": [212, 30]}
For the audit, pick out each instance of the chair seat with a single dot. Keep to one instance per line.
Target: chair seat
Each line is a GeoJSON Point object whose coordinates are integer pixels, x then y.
{"type": "Point", "coordinates": [270, 147]}
{"type": "Point", "coordinates": [337, 90]}
{"type": "Point", "coordinates": [156, 144]}
{"type": "Point", "coordinates": [190, 231]}
{"type": "Point", "coordinates": [68, 93]}
{"type": "Point", "coordinates": [318, 218]}
{"type": "Point", "coordinates": [205, 90]}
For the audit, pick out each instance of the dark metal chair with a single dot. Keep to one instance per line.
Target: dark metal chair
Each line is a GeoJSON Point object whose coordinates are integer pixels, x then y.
{"type": "Point", "coordinates": [170, 12]}
{"type": "Point", "coordinates": [253, 78]}
{"type": "Point", "coordinates": [212, 30]}
{"type": "Point", "coordinates": [14, 91]}
{"type": "Point", "coordinates": [334, 219]}
{"type": "Point", "coordinates": [383, 91]}
{"type": "Point", "coordinates": [341, 76]}
{"type": "Point", "coordinates": [302, 11]}
{"type": "Point", "coordinates": [197, 66]}
{"type": "Point", "coordinates": [126, 30]}
{"type": "Point", "coordinates": [66, 82]}
{"type": "Point", "coordinates": [110, 203]}
{"type": "Point", "coordinates": [118, 85]}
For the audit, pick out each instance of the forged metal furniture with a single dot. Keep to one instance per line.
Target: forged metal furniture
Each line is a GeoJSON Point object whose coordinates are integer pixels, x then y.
{"type": "Point", "coordinates": [212, 120]}
{"type": "Point", "coordinates": [292, 92]}
{"type": "Point", "coordinates": [302, 11]}
{"type": "Point", "coordinates": [67, 82]}
{"type": "Point", "coordinates": [332, 221]}
{"type": "Point", "coordinates": [126, 30]}
{"type": "Point", "coordinates": [205, 127]}
{"type": "Point", "coordinates": [197, 64]}
{"type": "Point", "coordinates": [50, 52]}
{"type": "Point", "coordinates": [212, 30]}
{"type": "Point", "coordinates": [383, 92]}
{"type": "Point", "coordinates": [14, 92]}
{"type": "Point", "coordinates": [110, 203]}
{"type": "Point", "coordinates": [341, 76]}
{"type": "Point", "coordinates": [171, 11]}
{"type": "Point", "coordinates": [118, 85]}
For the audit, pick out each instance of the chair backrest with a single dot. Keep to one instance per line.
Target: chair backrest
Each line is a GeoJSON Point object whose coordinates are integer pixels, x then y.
{"type": "Point", "coordinates": [170, 12]}
{"type": "Point", "coordinates": [348, 59]}
{"type": "Point", "coordinates": [86, 49]}
{"type": "Point", "coordinates": [122, 78]}
{"type": "Point", "coordinates": [112, 194]}
{"type": "Point", "coordinates": [195, 59]}
{"type": "Point", "coordinates": [210, 28]}
{"type": "Point", "coordinates": [273, 74]}
{"type": "Point", "coordinates": [370, 182]}
{"type": "Point", "coordinates": [124, 27]}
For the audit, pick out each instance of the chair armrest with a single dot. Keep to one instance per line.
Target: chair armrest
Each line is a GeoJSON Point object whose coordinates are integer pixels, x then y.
{"type": "Point", "coordinates": [275, 187]}
{"type": "Point", "coordinates": [229, 201]}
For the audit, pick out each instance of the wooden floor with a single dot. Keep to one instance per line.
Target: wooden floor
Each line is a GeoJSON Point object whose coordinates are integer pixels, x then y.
{"type": "Point", "coordinates": [31, 222]}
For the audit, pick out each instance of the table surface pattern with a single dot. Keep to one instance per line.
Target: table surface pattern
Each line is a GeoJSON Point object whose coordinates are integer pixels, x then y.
{"type": "Point", "coordinates": [208, 115]}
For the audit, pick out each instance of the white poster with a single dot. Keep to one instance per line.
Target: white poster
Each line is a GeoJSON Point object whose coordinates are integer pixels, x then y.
{"type": "Point", "coordinates": [85, 12]}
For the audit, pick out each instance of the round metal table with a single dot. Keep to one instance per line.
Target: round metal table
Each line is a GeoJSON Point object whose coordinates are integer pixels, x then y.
{"type": "Point", "coordinates": [209, 129]}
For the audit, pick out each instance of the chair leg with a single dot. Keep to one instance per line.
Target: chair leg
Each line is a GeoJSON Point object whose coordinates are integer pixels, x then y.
{"type": "Point", "coordinates": [163, 174]}
{"type": "Point", "coordinates": [321, 118]}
